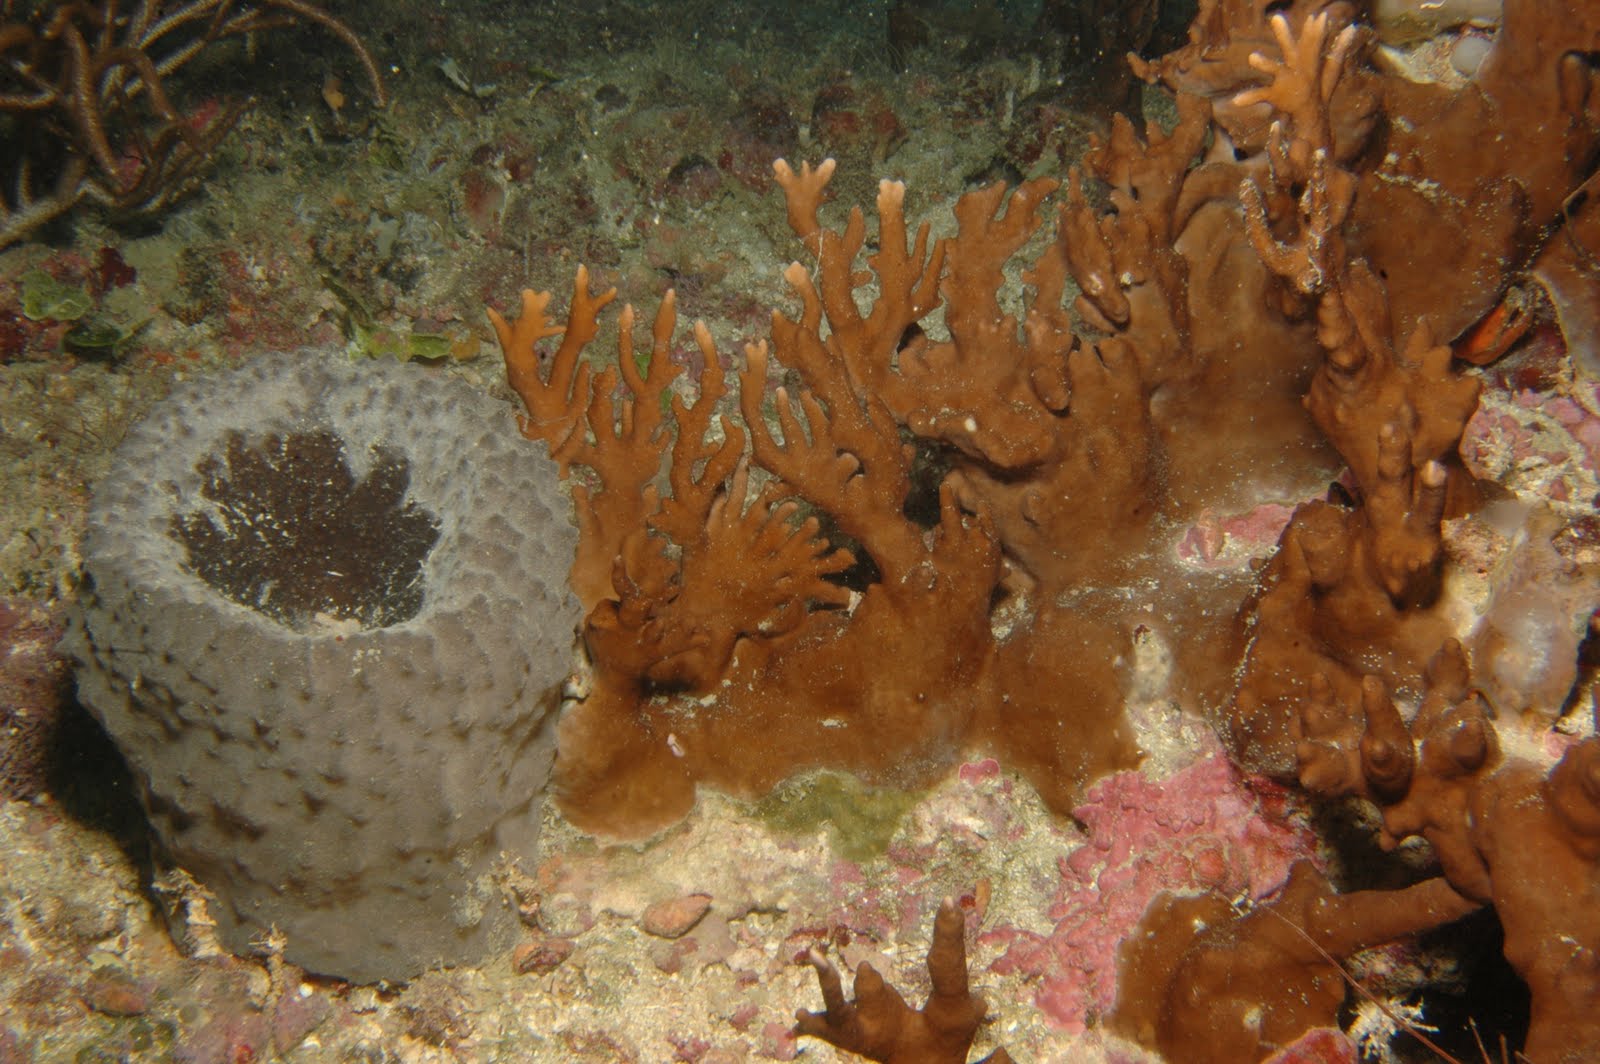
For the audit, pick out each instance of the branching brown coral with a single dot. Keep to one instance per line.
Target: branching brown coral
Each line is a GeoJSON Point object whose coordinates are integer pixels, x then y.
{"type": "Point", "coordinates": [1348, 609]}
{"type": "Point", "coordinates": [1350, 584]}
{"type": "Point", "coordinates": [1471, 176]}
{"type": "Point", "coordinates": [1078, 432]}
{"type": "Point", "coordinates": [1058, 442]}
{"type": "Point", "coordinates": [1506, 832]}
{"type": "Point", "coordinates": [1205, 984]}
{"type": "Point", "coordinates": [1236, 322]}
{"type": "Point", "coordinates": [577, 415]}
{"type": "Point", "coordinates": [714, 614]}
{"type": "Point", "coordinates": [741, 569]}
{"type": "Point", "coordinates": [84, 106]}
{"type": "Point", "coordinates": [879, 1025]}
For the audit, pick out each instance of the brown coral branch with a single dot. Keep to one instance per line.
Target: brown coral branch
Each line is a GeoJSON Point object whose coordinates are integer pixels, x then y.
{"type": "Point", "coordinates": [579, 416]}
{"type": "Point", "coordinates": [751, 571]}
{"type": "Point", "coordinates": [1300, 149]}
{"type": "Point", "coordinates": [880, 1026]}
{"type": "Point", "coordinates": [1365, 383]}
{"type": "Point", "coordinates": [1352, 591]}
{"type": "Point", "coordinates": [1146, 173]}
{"type": "Point", "coordinates": [627, 440]}
{"type": "Point", "coordinates": [853, 465]}
{"type": "Point", "coordinates": [684, 512]}
{"type": "Point", "coordinates": [72, 73]}
{"type": "Point", "coordinates": [555, 401]}
{"type": "Point", "coordinates": [1301, 83]}
{"type": "Point", "coordinates": [980, 391]}
{"type": "Point", "coordinates": [1406, 513]}
{"type": "Point", "coordinates": [761, 569]}
{"type": "Point", "coordinates": [802, 195]}
{"type": "Point", "coordinates": [1133, 281]}
{"type": "Point", "coordinates": [627, 635]}
{"type": "Point", "coordinates": [864, 345]}
{"type": "Point", "coordinates": [985, 241]}
{"type": "Point", "coordinates": [1311, 261]}
{"type": "Point", "coordinates": [742, 570]}
{"type": "Point", "coordinates": [1339, 752]}
{"type": "Point", "coordinates": [1456, 748]}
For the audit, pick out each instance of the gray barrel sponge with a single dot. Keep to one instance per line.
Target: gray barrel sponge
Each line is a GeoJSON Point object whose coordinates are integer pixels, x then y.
{"type": "Point", "coordinates": [326, 619]}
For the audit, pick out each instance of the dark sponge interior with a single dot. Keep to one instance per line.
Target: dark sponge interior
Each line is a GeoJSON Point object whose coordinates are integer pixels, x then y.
{"type": "Point", "coordinates": [295, 534]}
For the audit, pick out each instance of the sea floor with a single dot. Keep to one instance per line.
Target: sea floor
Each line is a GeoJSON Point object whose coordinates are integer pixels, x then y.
{"type": "Point", "coordinates": [523, 140]}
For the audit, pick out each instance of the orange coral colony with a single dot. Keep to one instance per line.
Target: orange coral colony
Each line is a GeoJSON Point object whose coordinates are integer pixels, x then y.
{"type": "Point", "coordinates": [960, 514]}
{"type": "Point", "coordinates": [887, 632]}
{"type": "Point", "coordinates": [954, 520]}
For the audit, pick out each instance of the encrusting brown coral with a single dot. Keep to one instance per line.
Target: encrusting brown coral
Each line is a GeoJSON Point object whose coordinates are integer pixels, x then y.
{"type": "Point", "coordinates": [879, 1025]}
{"type": "Point", "coordinates": [1506, 832]}
{"type": "Point", "coordinates": [1206, 985]}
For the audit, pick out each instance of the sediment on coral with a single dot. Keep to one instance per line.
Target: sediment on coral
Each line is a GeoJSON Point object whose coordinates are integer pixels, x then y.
{"type": "Point", "coordinates": [328, 654]}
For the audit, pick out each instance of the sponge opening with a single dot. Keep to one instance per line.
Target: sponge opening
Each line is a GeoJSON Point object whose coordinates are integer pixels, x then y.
{"type": "Point", "coordinates": [289, 530]}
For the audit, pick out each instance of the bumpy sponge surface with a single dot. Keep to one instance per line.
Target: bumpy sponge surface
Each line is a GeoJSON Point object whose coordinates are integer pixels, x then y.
{"type": "Point", "coordinates": [326, 619]}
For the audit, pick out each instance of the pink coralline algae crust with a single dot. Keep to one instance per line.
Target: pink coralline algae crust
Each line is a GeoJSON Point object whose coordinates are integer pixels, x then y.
{"type": "Point", "coordinates": [1534, 430]}
{"type": "Point", "coordinates": [1228, 541]}
{"type": "Point", "coordinates": [1583, 426]}
{"type": "Point", "coordinates": [1320, 1045]}
{"type": "Point", "coordinates": [1202, 829]}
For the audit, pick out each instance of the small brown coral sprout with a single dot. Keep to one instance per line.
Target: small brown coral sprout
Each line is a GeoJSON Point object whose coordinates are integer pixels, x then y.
{"type": "Point", "coordinates": [880, 1026]}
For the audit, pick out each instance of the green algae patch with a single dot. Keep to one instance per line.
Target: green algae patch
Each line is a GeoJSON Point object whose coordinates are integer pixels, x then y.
{"type": "Point", "coordinates": [860, 820]}
{"type": "Point", "coordinates": [46, 299]}
{"type": "Point", "coordinates": [404, 343]}
{"type": "Point", "coordinates": [101, 337]}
